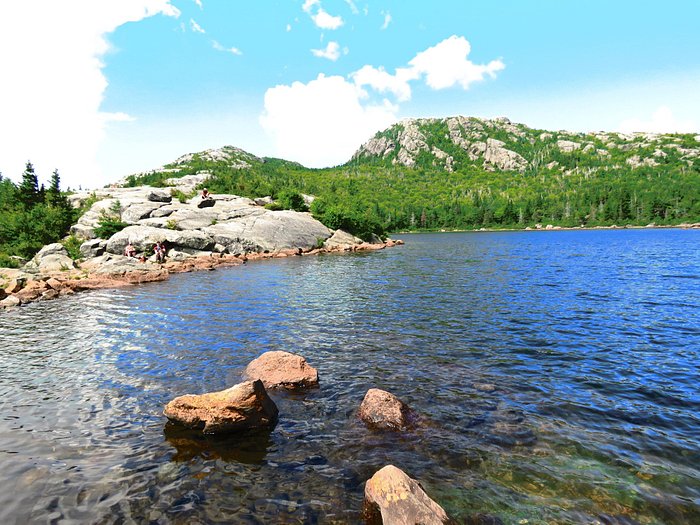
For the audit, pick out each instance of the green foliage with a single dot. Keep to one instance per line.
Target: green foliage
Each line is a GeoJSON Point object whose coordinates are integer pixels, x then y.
{"type": "Point", "coordinates": [597, 184]}
{"type": "Point", "coordinates": [171, 224]}
{"type": "Point", "coordinates": [181, 196]}
{"type": "Point", "coordinates": [7, 261]}
{"type": "Point", "coordinates": [110, 222]}
{"type": "Point", "coordinates": [72, 246]}
{"type": "Point", "coordinates": [28, 194]}
{"type": "Point", "coordinates": [30, 218]}
{"type": "Point", "coordinates": [289, 199]}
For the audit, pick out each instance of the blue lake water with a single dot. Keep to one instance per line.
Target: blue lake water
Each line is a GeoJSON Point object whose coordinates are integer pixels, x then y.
{"type": "Point", "coordinates": [557, 374]}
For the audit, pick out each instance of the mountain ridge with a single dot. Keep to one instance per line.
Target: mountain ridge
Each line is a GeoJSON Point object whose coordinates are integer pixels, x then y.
{"type": "Point", "coordinates": [477, 138]}
{"type": "Point", "coordinates": [468, 173]}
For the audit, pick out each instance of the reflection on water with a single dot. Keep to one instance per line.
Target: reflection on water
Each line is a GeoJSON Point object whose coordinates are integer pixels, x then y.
{"type": "Point", "coordinates": [556, 373]}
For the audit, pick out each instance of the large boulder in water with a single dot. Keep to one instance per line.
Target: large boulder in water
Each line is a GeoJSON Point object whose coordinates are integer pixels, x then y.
{"type": "Point", "coordinates": [245, 406]}
{"type": "Point", "coordinates": [384, 411]}
{"type": "Point", "coordinates": [341, 240]}
{"type": "Point", "coordinates": [393, 498]}
{"type": "Point", "coordinates": [279, 369]}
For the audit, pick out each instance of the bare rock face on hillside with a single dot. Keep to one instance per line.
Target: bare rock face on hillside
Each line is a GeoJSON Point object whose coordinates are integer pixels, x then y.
{"type": "Point", "coordinates": [245, 406]}
{"type": "Point", "coordinates": [497, 144]}
{"type": "Point", "coordinates": [393, 498]}
{"type": "Point", "coordinates": [504, 159]}
{"type": "Point", "coordinates": [568, 146]}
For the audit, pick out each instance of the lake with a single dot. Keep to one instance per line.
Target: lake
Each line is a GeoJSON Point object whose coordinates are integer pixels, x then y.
{"type": "Point", "coordinates": [557, 374]}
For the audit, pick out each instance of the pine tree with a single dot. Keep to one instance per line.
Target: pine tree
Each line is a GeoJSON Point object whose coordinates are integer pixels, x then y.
{"type": "Point", "coordinates": [53, 195]}
{"type": "Point", "coordinates": [29, 187]}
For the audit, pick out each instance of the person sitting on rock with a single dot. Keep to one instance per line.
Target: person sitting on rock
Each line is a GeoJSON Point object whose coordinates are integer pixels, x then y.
{"type": "Point", "coordinates": [159, 251]}
{"type": "Point", "coordinates": [130, 251]}
{"type": "Point", "coordinates": [206, 194]}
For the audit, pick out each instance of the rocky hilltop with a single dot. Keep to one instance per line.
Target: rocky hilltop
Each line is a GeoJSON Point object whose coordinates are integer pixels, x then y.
{"type": "Point", "coordinates": [500, 145]}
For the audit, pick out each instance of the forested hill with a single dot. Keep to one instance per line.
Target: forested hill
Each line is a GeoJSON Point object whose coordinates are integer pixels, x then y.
{"type": "Point", "coordinates": [465, 172]}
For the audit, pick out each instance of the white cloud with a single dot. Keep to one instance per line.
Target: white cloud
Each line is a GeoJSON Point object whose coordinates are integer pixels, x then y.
{"type": "Point", "coordinates": [233, 50]}
{"type": "Point", "coordinates": [662, 121]}
{"type": "Point", "coordinates": [443, 65]}
{"type": "Point", "coordinates": [196, 27]}
{"type": "Point", "coordinates": [53, 83]}
{"type": "Point", "coordinates": [199, 4]}
{"type": "Point", "coordinates": [321, 18]}
{"type": "Point", "coordinates": [387, 20]}
{"type": "Point", "coordinates": [331, 52]}
{"type": "Point", "coordinates": [384, 82]}
{"type": "Point", "coordinates": [323, 122]}
{"type": "Point", "coordinates": [118, 116]}
{"type": "Point", "coordinates": [447, 64]}
{"type": "Point", "coordinates": [289, 27]}
{"type": "Point", "coordinates": [325, 21]}
{"type": "Point", "coordinates": [352, 7]}
{"type": "Point", "coordinates": [309, 4]}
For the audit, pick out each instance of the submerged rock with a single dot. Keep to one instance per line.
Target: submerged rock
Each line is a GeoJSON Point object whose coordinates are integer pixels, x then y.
{"type": "Point", "coordinates": [245, 406]}
{"type": "Point", "coordinates": [393, 498]}
{"type": "Point", "coordinates": [279, 369]}
{"type": "Point", "coordinates": [507, 428]}
{"type": "Point", "coordinates": [384, 411]}
{"type": "Point", "coordinates": [483, 519]}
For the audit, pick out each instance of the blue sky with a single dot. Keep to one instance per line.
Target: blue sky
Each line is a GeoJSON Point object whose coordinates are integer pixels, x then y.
{"type": "Point", "coordinates": [104, 88]}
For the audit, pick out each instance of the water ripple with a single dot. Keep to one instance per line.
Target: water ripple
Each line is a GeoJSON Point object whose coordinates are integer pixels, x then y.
{"type": "Point", "coordinates": [557, 374]}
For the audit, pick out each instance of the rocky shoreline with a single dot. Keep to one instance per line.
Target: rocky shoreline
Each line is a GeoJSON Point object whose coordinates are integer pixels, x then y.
{"type": "Point", "coordinates": [20, 288]}
{"type": "Point", "coordinates": [199, 234]}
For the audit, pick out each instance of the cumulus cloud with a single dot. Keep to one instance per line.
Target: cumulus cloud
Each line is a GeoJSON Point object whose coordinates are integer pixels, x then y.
{"type": "Point", "coordinates": [321, 123]}
{"type": "Point", "coordinates": [233, 50]}
{"type": "Point", "coordinates": [320, 17]}
{"type": "Point", "coordinates": [383, 82]}
{"type": "Point", "coordinates": [331, 51]}
{"type": "Point", "coordinates": [442, 66]}
{"type": "Point", "coordinates": [447, 64]}
{"type": "Point", "coordinates": [325, 21]}
{"type": "Point", "coordinates": [53, 83]}
{"type": "Point", "coordinates": [196, 27]}
{"type": "Point", "coordinates": [662, 121]}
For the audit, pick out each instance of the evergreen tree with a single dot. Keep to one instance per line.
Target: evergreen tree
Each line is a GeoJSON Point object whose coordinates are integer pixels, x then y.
{"type": "Point", "coordinates": [29, 187]}
{"type": "Point", "coordinates": [53, 195]}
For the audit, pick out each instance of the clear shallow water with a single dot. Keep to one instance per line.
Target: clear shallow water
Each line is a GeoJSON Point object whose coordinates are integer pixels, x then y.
{"type": "Point", "coordinates": [590, 338]}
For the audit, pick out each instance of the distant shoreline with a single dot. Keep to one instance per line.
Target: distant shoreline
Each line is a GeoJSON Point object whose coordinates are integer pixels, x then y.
{"type": "Point", "coordinates": [549, 228]}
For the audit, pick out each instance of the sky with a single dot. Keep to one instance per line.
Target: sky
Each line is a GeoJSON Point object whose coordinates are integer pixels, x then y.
{"type": "Point", "coordinates": [100, 89]}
